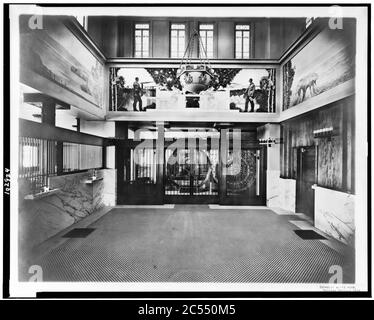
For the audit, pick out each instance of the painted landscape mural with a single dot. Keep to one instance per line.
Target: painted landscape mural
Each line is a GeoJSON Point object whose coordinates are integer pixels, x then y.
{"type": "Point", "coordinates": [325, 63]}
{"type": "Point", "coordinates": [160, 88]}
{"type": "Point", "coordinates": [262, 96]}
{"type": "Point", "coordinates": [56, 54]}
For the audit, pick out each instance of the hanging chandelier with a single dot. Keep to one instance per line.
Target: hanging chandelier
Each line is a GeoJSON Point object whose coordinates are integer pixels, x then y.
{"type": "Point", "coordinates": [193, 77]}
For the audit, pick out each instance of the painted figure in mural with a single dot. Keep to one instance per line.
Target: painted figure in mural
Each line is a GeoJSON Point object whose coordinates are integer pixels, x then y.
{"type": "Point", "coordinates": [121, 94]}
{"type": "Point", "coordinates": [249, 95]}
{"type": "Point", "coordinates": [261, 96]}
{"type": "Point", "coordinates": [308, 82]}
{"type": "Point", "coordinates": [137, 95]}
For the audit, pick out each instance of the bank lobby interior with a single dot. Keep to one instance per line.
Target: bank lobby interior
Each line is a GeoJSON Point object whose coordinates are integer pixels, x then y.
{"type": "Point", "coordinates": [202, 180]}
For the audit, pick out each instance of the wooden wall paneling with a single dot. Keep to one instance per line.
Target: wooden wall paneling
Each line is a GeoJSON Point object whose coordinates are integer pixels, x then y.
{"type": "Point", "coordinates": [122, 161]}
{"type": "Point", "coordinates": [261, 36]}
{"type": "Point", "coordinates": [293, 174]}
{"type": "Point", "coordinates": [95, 29]}
{"type": "Point", "coordinates": [111, 37]}
{"type": "Point", "coordinates": [330, 151]}
{"type": "Point", "coordinates": [126, 33]}
{"type": "Point", "coordinates": [281, 150]}
{"type": "Point", "coordinates": [160, 39]}
{"type": "Point", "coordinates": [226, 40]}
{"type": "Point", "coordinates": [289, 151]}
{"type": "Point", "coordinates": [224, 146]}
{"type": "Point", "coordinates": [160, 154]}
{"type": "Point", "coordinates": [330, 166]}
{"type": "Point", "coordinates": [270, 36]}
{"type": "Point", "coordinates": [335, 157]}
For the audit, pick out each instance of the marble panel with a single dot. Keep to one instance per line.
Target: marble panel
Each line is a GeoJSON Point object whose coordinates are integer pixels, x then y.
{"type": "Point", "coordinates": [334, 214]}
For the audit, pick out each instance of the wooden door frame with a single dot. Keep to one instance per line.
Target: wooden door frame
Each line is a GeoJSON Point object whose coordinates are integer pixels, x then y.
{"type": "Point", "coordinates": [299, 177]}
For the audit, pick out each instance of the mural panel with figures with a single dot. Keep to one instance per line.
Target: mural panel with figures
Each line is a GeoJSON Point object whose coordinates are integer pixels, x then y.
{"type": "Point", "coordinates": [56, 54]}
{"type": "Point", "coordinates": [323, 64]}
{"type": "Point", "coordinates": [162, 89]}
{"type": "Point", "coordinates": [253, 90]}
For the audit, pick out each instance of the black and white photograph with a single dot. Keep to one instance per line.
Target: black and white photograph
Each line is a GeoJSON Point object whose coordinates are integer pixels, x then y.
{"type": "Point", "coordinates": [192, 148]}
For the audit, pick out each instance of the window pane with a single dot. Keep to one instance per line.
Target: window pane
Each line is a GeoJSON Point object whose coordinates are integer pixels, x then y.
{"type": "Point", "coordinates": [242, 27]}
{"type": "Point", "coordinates": [245, 43]}
{"type": "Point", "coordinates": [242, 41]}
{"type": "Point", "coordinates": [181, 45]}
{"type": "Point", "coordinates": [206, 27]}
{"type": "Point", "coordinates": [142, 26]}
{"type": "Point", "coordinates": [210, 44]}
{"type": "Point", "coordinates": [145, 44]}
{"type": "Point", "coordinates": [178, 26]}
{"type": "Point", "coordinates": [174, 45]}
{"type": "Point", "coordinates": [238, 43]}
{"type": "Point", "coordinates": [141, 39]}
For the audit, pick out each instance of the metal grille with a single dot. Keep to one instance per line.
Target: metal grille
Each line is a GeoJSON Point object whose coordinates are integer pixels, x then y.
{"type": "Point", "coordinates": [143, 166]}
{"type": "Point", "coordinates": [191, 172]}
{"type": "Point", "coordinates": [37, 161]}
{"type": "Point", "coordinates": [81, 157]}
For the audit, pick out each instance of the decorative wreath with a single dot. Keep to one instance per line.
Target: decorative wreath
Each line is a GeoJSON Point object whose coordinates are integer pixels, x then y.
{"type": "Point", "coordinates": [245, 177]}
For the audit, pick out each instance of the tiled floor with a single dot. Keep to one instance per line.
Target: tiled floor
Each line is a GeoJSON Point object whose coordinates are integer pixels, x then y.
{"type": "Point", "coordinates": [193, 244]}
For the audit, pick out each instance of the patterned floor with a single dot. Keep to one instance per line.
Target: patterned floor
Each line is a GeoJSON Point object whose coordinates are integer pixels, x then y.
{"type": "Point", "coordinates": [192, 244]}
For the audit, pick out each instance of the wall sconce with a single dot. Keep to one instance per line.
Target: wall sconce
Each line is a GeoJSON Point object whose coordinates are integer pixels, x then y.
{"type": "Point", "coordinates": [324, 133]}
{"type": "Point", "coordinates": [269, 141]}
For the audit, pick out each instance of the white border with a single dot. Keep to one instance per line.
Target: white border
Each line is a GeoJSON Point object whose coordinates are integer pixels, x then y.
{"type": "Point", "coordinates": [21, 289]}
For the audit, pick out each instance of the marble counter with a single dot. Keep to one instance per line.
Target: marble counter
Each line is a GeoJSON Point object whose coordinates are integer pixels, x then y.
{"type": "Point", "coordinates": [42, 218]}
{"type": "Point", "coordinates": [334, 214]}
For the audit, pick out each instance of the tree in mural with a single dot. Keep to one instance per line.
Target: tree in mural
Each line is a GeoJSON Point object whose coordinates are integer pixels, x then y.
{"type": "Point", "coordinates": [165, 77]}
{"type": "Point", "coordinates": [224, 77]}
{"type": "Point", "coordinates": [288, 75]}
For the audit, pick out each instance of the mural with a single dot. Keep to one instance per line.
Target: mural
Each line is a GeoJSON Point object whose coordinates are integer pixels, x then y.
{"type": "Point", "coordinates": [56, 54]}
{"type": "Point", "coordinates": [129, 94]}
{"type": "Point", "coordinates": [324, 63]}
{"type": "Point", "coordinates": [253, 90]}
{"type": "Point", "coordinates": [161, 88]}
